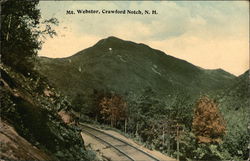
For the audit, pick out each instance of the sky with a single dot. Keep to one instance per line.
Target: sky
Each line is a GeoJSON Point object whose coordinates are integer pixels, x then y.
{"type": "Point", "coordinates": [209, 34]}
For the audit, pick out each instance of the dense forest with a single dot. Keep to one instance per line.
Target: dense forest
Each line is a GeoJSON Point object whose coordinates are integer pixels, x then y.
{"type": "Point", "coordinates": [200, 130]}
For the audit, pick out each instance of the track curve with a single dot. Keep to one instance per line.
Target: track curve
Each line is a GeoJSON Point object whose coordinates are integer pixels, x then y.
{"type": "Point", "coordinates": [129, 151]}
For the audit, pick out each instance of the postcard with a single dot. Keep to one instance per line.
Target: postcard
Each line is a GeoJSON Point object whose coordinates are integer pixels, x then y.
{"type": "Point", "coordinates": [125, 80]}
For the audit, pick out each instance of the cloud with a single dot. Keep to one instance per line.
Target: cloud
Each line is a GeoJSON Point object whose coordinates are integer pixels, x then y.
{"type": "Point", "coordinates": [229, 54]}
{"type": "Point", "coordinates": [66, 43]}
{"type": "Point", "coordinates": [207, 34]}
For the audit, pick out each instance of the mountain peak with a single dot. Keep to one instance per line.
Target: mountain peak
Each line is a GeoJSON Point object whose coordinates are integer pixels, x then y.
{"type": "Point", "coordinates": [117, 43]}
{"type": "Point", "coordinates": [113, 38]}
{"type": "Point", "coordinates": [110, 40]}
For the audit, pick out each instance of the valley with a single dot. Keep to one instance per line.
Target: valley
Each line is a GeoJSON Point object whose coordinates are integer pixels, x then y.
{"type": "Point", "coordinates": [150, 89]}
{"type": "Point", "coordinates": [129, 96]}
{"type": "Point", "coordinates": [142, 92]}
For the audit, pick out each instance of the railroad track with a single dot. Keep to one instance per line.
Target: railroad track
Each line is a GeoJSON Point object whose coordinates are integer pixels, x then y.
{"type": "Point", "coordinates": [127, 150]}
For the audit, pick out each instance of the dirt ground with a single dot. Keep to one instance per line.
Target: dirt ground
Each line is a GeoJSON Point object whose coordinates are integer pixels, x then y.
{"type": "Point", "coordinates": [104, 152]}
{"type": "Point", "coordinates": [15, 147]}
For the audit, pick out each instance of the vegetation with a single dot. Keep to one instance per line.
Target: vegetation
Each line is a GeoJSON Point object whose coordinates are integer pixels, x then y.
{"type": "Point", "coordinates": [21, 33]}
{"type": "Point", "coordinates": [28, 102]}
{"type": "Point", "coordinates": [208, 125]}
{"type": "Point", "coordinates": [136, 68]}
{"type": "Point", "coordinates": [113, 109]}
{"type": "Point", "coordinates": [34, 116]}
{"type": "Point", "coordinates": [177, 126]}
{"type": "Point", "coordinates": [234, 103]}
{"type": "Point", "coordinates": [152, 97]}
{"type": "Point", "coordinates": [160, 107]}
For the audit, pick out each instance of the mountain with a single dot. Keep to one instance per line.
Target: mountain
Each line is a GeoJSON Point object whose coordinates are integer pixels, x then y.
{"type": "Point", "coordinates": [122, 66]}
{"type": "Point", "coordinates": [237, 95]}
{"type": "Point", "coordinates": [234, 104]}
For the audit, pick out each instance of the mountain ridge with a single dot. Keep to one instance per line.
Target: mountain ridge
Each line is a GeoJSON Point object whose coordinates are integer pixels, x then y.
{"type": "Point", "coordinates": [135, 65]}
{"type": "Point", "coordinates": [113, 38]}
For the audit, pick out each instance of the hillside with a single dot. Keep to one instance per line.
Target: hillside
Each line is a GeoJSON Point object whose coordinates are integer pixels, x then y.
{"type": "Point", "coordinates": [237, 94]}
{"type": "Point", "coordinates": [31, 128]}
{"type": "Point", "coordinates": [15, 147]}
{"type": "Point", "coordinates": [122, 66]}
{"type": "Point", "coordinates": [234, 104]}
{"type": "Point", "coordinates": [157, 90]}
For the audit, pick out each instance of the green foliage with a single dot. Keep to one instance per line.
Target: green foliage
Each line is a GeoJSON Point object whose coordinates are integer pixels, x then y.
{"type": "Point", "coordinates": [91, 155]}
{"type": "Point", "coordinates": [237, 137]}
{"type": "Point", "coordinates": [87, 103]}
{"type": "Point", "coordinates": [168, 101]}
{"type": "Point", "coordinates": [78, 103]}
{"type": "Point", "coordinates": [181, 108]}
{"type": "Point", "coordinates": [190, 149]}
{"type": "Point", "coordinates": [234, 103]}
{"type": "Point", "coordinates": [136, 67]}
{"type": "Point", "coordinates": [35, 118]}
{"type": "Point", "coordinates": [147, 125]}
{"type": "Point", "coordinates": [21, 30]}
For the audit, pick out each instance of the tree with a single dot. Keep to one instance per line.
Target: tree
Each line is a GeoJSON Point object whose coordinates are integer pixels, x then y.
{"type": "Point", "coordinates": [181, 108]}
{"type": "Point", "coordinates": [113, 109]}
{"type": "Point", "coordinates": [208, 125]}
{"type": "Point", "coordinates": [22, 32]}
{"type": "Point", "coordinates": [78, 102]}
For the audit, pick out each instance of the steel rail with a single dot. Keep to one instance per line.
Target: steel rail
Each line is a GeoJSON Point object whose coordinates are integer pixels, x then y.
{"type": "Point", "coordinates": [150, 156]}
{"type": "Point", "coordinates": [109, 145]}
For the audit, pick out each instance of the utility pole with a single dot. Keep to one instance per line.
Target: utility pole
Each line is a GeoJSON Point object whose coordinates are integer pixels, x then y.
{"type": "Point", "coordinates": [136, 132]}
{"type": "Point", "coordinates": [178, 143]}
{"type": "Point", "coordinates": [125, 128]}
{"type": "Point", "coordinates": [163, 135]}
{"type": "Point", "coordinates": [8, 32]}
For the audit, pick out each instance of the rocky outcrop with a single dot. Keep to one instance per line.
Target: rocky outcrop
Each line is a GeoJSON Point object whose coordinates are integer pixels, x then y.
{"type": "Point", "coordinates": [15, 147]}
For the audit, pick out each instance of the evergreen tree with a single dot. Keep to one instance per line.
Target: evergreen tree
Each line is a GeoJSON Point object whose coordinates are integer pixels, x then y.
{"type": "Point", "coordinates": [21, 33]}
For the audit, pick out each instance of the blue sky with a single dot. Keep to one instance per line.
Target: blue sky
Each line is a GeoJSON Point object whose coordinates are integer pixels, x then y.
{"type": "Point", "coordinates": [209, 34]}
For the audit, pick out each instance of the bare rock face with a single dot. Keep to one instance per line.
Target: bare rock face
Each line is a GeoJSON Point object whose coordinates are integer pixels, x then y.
{"type": "Point", "coordinates": [15, 147]}
{"type": "Point", "coordinates": [67, 117]}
